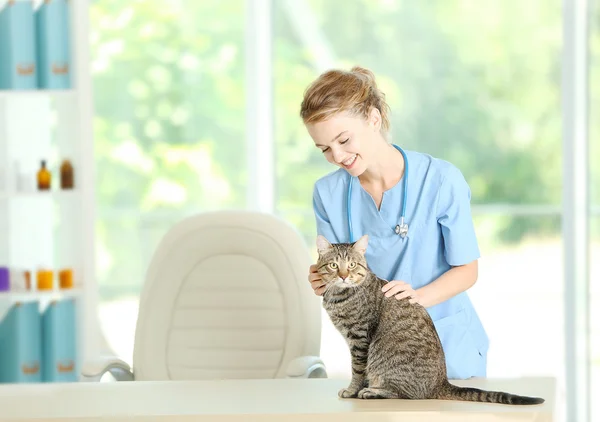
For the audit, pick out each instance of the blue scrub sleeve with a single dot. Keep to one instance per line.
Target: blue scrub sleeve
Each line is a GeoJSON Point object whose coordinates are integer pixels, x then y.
{"type": "Point", "coordinates": [454, 216]}
{"type": "Point", "coordinates": [324, 227]}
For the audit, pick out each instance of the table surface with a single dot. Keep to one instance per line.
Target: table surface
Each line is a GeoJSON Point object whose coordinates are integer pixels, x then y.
{"type": "Point", "coordinates": [254, 400]}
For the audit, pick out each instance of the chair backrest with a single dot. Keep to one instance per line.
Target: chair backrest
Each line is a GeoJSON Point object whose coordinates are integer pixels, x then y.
{"type": "Point", "coordinates": [226, 295]}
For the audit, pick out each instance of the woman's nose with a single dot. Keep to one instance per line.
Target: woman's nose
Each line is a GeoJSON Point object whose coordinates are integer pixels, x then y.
{"type": "Point", "coordinates": [338, 156]}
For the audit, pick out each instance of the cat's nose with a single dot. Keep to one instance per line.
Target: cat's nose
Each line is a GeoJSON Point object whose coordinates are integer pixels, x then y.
{"type": "Point", "coordinates": [343, 277]}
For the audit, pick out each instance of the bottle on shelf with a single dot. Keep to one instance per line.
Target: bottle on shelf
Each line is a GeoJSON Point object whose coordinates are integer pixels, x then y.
{"type": "Point", "coordinates": [44, 279]}
{"type": "Point", "coordinates": [18, 280]}
{"type": "Point", "coordinates": [27, 276]}
{"type": "Point", "coordinates": [66, 175]}
{"type": "Point", "coordinates": [4, 279]}
{"type": "Point", "coordinates": [44, 177]}
{"type": "Point", "coordinates": [65, 277]}
{"type": "Point", "coordinates": [24, 182]}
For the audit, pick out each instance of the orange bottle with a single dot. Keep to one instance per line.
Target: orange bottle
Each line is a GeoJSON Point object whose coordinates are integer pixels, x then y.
{"type": "Point", "coordinates": [65, 277]}
{"type": "Point", "coordinates": [28, 280]}
{"type": "Point", "coordinates": [44, 177]}
{"type": "Point", "coordinates": [44, 279]}
{"type": "Point", "coordinates": [66, 175]}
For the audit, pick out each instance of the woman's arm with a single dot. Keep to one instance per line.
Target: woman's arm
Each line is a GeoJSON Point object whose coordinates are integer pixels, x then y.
{"type": "Point", "coordinates": [452, 282]}
{"type": "Point", "coordinates": [453, 214]}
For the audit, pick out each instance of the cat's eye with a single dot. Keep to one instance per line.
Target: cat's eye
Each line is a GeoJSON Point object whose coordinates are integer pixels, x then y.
{"type": "Point", "coordinates": [352, 265]}
{"type": "Point", "coordinates": [333, 265]}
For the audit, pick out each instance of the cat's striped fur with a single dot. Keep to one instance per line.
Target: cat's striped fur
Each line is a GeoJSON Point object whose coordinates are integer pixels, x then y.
{"type": "Point", "coordinates": [395, 349]}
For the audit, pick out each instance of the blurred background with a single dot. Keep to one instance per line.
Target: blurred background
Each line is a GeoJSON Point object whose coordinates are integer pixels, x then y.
{"type": "Point", "coordinates": [179, 88]}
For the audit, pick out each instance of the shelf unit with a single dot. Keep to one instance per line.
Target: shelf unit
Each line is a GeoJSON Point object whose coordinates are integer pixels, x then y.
{"type": "Point", "coordinates": [38, 93]}
{"type": "Point", "coordinates": [53, 194]}
{"type": "Point", "coordinates": [30, 296]}
{"type": "Point", "coordinates": [52, 229]}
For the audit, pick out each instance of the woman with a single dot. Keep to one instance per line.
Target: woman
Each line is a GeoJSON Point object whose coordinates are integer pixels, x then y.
{"type": "Point", "coordinates": [435, 261]}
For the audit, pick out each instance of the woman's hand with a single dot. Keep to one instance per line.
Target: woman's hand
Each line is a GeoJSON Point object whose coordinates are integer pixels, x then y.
{"type": "Point", "coordinates": [315, 281]}
{"type": "Point", "coordinates": [401, 290]}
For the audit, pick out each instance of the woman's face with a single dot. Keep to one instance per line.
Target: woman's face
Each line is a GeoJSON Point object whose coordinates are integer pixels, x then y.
{"type": "Point", "coordinates": [346, 140]}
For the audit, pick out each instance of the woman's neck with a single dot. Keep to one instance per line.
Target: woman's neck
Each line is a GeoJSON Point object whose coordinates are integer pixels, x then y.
{"type": "Point", "coordinates": [386, 170]}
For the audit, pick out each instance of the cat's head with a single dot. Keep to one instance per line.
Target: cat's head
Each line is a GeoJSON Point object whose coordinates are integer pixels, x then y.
{"type": "Point", "coordinates": [343, 264]}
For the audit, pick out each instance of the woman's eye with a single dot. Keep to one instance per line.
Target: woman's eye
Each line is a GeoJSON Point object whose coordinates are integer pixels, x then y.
{"type": "Point", "coordinates": [352, 265]}
{"type": "Point", "coordinates": [333, 265]}
{"type": "Point", "coordinates": [325, 150]}
{"type": "Point", "coordinates": [344, 141]}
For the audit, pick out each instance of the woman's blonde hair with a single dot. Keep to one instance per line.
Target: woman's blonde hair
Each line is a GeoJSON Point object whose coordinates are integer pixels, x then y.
{"type": "Point", "coordinates": [338, 90]}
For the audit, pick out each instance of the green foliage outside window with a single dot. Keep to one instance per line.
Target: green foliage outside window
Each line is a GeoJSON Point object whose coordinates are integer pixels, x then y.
{"type": "Point", "coordinates": [476, 83]}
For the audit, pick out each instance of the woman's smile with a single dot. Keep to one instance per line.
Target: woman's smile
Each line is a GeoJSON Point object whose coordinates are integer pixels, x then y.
{"type": "Point", "coordinates": [348, 163]}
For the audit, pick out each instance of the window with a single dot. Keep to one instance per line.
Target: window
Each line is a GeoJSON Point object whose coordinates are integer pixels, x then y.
{"type": "Point", "coordinates": [168, 80]}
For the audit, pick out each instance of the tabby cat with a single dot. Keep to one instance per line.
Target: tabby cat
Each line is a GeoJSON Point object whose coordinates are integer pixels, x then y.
{"type": "Point", "coordinates": [395, 349]}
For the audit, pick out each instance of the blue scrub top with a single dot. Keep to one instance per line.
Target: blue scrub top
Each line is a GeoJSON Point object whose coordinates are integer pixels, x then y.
{"type": "Point", "coordinates": [440, 235]}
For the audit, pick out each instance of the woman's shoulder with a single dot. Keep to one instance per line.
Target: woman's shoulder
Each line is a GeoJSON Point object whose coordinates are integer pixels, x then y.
{"type": "Point", "coordinates": [431, 166]}
{"type": "Point", "coordinates": [332, 181]}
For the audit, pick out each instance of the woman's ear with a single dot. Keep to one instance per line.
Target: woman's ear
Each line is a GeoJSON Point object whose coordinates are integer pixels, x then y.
{"type": "Point", "coordinates": [375, 119]}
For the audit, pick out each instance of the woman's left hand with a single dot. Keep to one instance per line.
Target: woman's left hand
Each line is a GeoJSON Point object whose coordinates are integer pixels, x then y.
{"type": "Point", "coordinates": [401, 290]}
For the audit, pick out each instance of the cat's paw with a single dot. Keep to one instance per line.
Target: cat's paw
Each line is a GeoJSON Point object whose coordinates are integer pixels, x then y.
{"type": "Point", "coordinates": [347, 393]}
{"type": "Point", "coordinates": [370, 393]}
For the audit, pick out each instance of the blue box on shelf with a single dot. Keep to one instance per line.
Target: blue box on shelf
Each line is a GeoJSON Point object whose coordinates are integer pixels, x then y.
{"type": "Point", "coordinates": [52, 29]}
{"type": "Point", "coordinates": [59, 346]}
{"type": "Point", "coordinates": [20, 344]}
{"type": "Point", "coordinates": [18, 58]}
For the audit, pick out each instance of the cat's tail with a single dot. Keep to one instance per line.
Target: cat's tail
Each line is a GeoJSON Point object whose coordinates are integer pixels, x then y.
{"type": "Point", "coordinates": [453, 392]}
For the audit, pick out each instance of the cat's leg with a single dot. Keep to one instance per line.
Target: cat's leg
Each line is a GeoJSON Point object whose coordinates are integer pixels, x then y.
{"type": "Point", "coordinates": [358, 351]}
{"type": "Point", "coordinates": [378, 389]}
{"type": "Point", "coordinates": [377, 393]}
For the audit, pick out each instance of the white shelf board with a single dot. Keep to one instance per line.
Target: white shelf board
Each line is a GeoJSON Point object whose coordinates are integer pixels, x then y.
{"type": "Point", "coordinates": [37, 93]}
{"type": "Point", "coordinates": [40, 194]}
{"type": "Point", "coordinates": [38, 295]}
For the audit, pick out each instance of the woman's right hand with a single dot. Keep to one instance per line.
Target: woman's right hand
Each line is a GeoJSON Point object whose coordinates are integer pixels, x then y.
{"type": "Point", "coordinates": [315, 281]}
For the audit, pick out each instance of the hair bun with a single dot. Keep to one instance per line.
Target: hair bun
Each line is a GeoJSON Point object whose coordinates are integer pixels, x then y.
{"type": "Point", "coordinates": [366, 74]}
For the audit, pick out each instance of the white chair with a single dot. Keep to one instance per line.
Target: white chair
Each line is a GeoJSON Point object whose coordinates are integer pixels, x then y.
{"type": "Point", "coordinates": [226, 296]}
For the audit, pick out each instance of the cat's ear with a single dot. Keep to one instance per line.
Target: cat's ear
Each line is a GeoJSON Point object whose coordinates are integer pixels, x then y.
{"type": "Point", "coordinates": [323, 244]}
{"type": "Point", "coordinates": [361, 244]}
